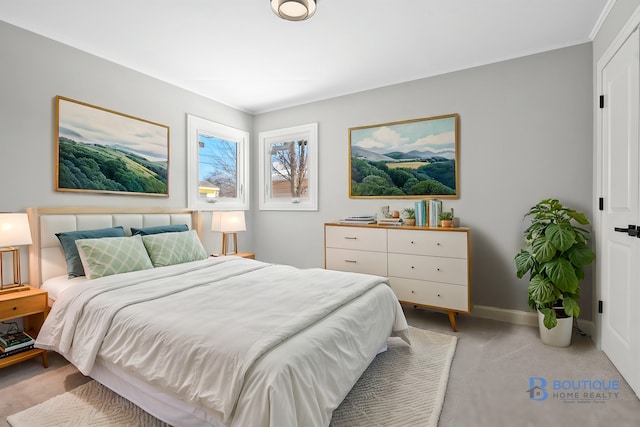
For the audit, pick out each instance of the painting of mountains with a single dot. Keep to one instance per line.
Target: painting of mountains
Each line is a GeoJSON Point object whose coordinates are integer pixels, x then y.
{"type": "Point", "coordinates": [409, 159]}
{"type": "Point", "coordinates": [103, 151]}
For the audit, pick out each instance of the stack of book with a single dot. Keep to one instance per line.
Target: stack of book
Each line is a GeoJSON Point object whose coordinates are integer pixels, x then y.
{"type": "Point", "coordinates": [435, 209]}
{"type": "Point", "coordinates": [363, 219]}
{"type": "Point", "coordinates": [390, 221]}
{"type": "Point", "coordinates": [421, 210]}
{"type": "Point", "coordinates": [15, 343]}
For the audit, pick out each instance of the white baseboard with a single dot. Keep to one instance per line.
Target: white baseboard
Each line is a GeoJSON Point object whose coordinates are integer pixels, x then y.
{"type": "Point", "coordinates": [519, 317]}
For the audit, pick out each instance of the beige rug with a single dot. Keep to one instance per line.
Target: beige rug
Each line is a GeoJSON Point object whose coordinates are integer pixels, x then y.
{"type": "Point", "coordinates": [405, 386]}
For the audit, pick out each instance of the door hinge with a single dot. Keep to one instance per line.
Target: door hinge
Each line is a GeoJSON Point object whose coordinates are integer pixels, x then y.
{"type": "Point", "coordinates": [601, 203]}
{"type": "Point", "coordinates": [600, 306]}
{"type": "Point", "coordinates": [601, 101]}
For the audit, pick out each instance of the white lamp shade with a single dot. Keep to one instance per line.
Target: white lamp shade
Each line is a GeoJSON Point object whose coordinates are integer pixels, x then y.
{"type": "Point", "coordinates": [14, 229]}
{"type": "Point", "coordinates": [228, 221]}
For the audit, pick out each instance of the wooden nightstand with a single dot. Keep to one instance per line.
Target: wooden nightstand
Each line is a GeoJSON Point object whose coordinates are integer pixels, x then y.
{"type": "Point", "coordinates": [32, 306]}
{"type": "Point", "coordinates": [246, 255]}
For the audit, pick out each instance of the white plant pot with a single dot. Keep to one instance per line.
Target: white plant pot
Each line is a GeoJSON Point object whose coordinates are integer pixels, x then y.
{"type": "Point", "coordinates": [560, 336]}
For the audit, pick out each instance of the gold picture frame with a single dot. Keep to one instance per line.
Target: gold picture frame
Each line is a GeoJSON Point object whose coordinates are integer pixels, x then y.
{"type": "Point", "coordinates": [411, 159]}
{"type": "Point", "coordinates": [103, 151]}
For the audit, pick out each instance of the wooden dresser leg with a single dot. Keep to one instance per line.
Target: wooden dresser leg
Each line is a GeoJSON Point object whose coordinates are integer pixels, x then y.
{"type": "Point", "coordinates": [452, 320]}
{"type": "Point", "coordinates": [45, 363]}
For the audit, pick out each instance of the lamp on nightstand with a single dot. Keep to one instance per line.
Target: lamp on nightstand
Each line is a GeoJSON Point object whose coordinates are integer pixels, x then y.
{"type": "Point", "coordinates": [14, 231]}
{"type": "Point", "coordinates": [228, 223]}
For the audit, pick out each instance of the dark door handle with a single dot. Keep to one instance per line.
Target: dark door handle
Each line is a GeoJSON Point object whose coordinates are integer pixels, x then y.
{"type": "Point", "coordinates": [632, 230]}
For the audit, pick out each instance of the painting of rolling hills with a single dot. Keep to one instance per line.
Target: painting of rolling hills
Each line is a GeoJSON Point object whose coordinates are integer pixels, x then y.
{"type": "Point", "coordinates": [409, 159]}
{"type": "Point", "coordinates": [100, 150]}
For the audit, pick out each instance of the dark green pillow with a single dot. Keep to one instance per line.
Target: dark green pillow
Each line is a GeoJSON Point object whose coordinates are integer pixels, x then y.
{"type": "Point", "coordinates": [68, 242]}
{"type": "Point", "coordinates": [173, 228]}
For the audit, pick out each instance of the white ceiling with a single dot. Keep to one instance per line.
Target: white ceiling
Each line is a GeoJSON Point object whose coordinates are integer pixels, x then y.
{"type": "Point", "coordinates": [239, 53]}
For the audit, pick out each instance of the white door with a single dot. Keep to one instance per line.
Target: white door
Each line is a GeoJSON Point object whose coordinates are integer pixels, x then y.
{"type": "Point", "coordinates": [619, 257]}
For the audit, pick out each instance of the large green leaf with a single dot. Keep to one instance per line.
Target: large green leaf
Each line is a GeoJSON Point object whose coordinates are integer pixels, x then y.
{"type": "Point", "coordinates": [541, 290]}
{"type": "Point", "coordinates": [550, 320]}
{"type": "Point", "coordinates": [561, 235]}
{"type": "Point", "coordinates": [543, 250]}
{"type": "Point", "coordinates": [562, 274]}
{"type": "Point", "coordinates": [580, 255]}
{"type": "Point", "coordinates": [579, 217]}
{"type": "Point", "coordinates": [571, 306]}
{"type": "Point", "coordinates": [524, 263]}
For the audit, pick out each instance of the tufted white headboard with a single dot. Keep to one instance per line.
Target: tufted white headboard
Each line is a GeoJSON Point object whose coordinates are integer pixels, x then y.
{"type": "Point", "coordinates": [46, 258]}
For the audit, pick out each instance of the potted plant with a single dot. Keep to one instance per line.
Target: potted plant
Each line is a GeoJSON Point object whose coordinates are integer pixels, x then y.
{"type": "Point", "coordinates": [446, 219]}
{"type": "Point", "coordinates": [555, 255]}
{"type": "Point", "coordinates": [409, 216]}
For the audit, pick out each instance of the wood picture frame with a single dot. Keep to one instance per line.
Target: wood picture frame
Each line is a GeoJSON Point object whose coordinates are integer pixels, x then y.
{"type": "Point", "coordinates": [411, 159]}
{"type": "Point", "coordinates": [103, 151]}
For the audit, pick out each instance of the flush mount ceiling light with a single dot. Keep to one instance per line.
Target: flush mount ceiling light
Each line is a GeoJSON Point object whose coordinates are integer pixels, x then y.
{"type": "Point", "coordinates": [294, 10]}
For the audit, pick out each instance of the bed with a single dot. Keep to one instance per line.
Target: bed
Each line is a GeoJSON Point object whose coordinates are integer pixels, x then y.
{"type": "Point", "coordinates": [221, 341]}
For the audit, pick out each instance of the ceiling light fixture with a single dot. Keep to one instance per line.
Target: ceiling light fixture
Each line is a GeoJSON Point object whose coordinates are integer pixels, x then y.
{"type": "Point", "coordinates": [294, 10]}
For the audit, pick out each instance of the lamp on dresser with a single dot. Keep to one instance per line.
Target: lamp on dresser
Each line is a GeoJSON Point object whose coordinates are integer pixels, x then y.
{"type": "Point", "coordinates": [228, 223]}
{"type": "Point", "coordinates": [14, 231]}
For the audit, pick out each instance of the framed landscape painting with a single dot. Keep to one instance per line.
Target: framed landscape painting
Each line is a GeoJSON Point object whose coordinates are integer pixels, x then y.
{"type": "Point", "coordinates": [409, 159]}
{"type": "Point", "coordinates": [103, 151]}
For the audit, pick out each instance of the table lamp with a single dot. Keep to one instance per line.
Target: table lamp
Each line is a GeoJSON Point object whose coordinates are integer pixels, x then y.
{"type": "Point", "coordinates": [228, 223]}
{"type": "Point", "coordinates": [14, 231]}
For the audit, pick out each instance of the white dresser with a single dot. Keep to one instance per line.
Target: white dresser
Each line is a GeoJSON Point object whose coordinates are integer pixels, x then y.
{"type": "Point", "coordinates": [427, 267]}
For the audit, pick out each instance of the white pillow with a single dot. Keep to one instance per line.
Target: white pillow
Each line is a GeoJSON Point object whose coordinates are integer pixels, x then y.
{"type": "Point", "coordinates": [112, 255]}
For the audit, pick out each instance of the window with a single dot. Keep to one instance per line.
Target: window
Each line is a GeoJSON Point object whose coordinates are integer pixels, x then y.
{"type": "Point", "coordinates": [289, 168]}
{"type": "Point", "coordinates": [218, 166]}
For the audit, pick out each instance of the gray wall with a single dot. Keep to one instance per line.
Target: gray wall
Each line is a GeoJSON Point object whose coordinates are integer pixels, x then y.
{"type": "Point", "coordinates": [525, 135]}
{"type": "Point", "coordinates": [34, 70]}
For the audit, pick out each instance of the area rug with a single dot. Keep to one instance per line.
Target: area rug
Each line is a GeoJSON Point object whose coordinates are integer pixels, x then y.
{"type": "Point", "coordinates": [404, 386]}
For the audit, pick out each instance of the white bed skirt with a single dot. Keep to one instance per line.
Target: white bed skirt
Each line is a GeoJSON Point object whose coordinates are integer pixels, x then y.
{"type": "Point", "coordinates": [169, 409]}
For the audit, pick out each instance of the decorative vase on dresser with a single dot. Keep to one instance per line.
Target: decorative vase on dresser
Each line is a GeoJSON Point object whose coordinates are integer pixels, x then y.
{"type": "Point", "coordinates": [426, 267]}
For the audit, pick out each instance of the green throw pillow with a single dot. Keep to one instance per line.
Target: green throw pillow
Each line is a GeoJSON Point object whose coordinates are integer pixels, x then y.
{"type": "Point", "coordinates": [68, 242]}
{"type": "Point", "coordinates": [174, 248]}
{"type": "Point", "coordinates": [112, 255]}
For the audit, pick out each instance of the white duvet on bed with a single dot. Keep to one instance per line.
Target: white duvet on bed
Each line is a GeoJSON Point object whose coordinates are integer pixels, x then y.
{"type": "Point", "coordinates": [248, 342]}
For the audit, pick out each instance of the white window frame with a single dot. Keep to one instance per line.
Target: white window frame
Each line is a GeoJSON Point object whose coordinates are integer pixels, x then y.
{"type": "Point", "coordinates": [309, 132]}
{"type": "Point", "coordinates": [197, 126]}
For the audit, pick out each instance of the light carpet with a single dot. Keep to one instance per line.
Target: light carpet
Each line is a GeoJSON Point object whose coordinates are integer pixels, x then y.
{"type": "Point", "coordinates": [404, 386]}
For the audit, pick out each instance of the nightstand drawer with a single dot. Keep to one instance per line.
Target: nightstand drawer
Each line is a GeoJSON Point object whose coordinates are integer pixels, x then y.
{"type": "Point", "coordinates": [23, 306]}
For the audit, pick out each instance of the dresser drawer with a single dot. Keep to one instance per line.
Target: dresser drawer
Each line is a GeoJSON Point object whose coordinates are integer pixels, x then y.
{"type": "Point", "coordinates": [435, 269]}
{"type": "Point", "coordinates": [356, 261]}
{"type": "Point", "coordinates": [438, 295]}
{"type": "Point", "coordinates": [451, 244]}
{"type": "Point", "coordinates": [23, 306]}
{"type": "Point", "coordinates": [359, 238]}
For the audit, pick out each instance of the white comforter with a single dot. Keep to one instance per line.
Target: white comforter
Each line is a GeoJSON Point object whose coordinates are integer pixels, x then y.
{"type": "Point", "coordinates": [249, 342]}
